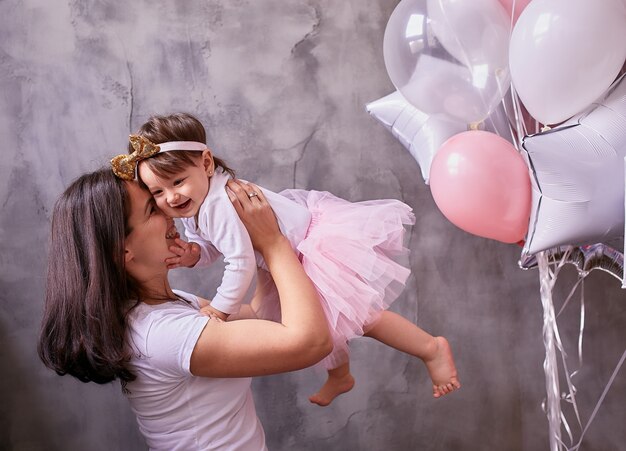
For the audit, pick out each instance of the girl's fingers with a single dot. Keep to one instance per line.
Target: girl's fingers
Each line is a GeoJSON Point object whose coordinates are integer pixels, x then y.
{"type": "Point", "coordinates": [178, 251]}
{"type": "Point", "coordinates": [182, 243]}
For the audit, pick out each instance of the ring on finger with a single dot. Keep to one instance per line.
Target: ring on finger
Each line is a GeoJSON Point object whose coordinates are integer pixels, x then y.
{"type": "Point", "coordinates": [253, 194]}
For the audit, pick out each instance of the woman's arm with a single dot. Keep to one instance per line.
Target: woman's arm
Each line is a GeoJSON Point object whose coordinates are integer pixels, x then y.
{"type": "Point", "coordinates": [258, 347]}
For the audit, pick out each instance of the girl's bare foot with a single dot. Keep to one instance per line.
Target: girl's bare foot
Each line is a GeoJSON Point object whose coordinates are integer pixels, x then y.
{"type": "Point", "coordinates": [442, 369]}
{"type": "Point", "coordinates": [334, 386]}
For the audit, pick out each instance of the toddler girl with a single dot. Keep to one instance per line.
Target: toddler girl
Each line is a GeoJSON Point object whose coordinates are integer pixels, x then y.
{"type": "Point", "coordinates": [347, 249]}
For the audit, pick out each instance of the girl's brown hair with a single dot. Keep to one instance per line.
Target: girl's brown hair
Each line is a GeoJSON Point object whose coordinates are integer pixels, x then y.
{"type": "Point", "coordinates": [175, 127]}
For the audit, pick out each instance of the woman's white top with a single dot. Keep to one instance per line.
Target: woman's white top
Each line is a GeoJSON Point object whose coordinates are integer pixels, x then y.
{"type": "Point", "coordinates": [176, 410]}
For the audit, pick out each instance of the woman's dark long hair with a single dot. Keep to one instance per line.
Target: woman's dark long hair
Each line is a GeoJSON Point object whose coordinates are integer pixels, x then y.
{"type": "Point", "coordinates": [87, 288]}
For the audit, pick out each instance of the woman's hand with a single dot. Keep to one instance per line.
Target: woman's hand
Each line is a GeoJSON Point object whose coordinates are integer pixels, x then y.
{"type": "Point", "coordinates": [212, 312]}
{"type": "Point", "coordinates": [255, 213]}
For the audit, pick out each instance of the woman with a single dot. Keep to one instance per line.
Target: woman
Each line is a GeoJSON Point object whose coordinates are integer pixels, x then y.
{"type": "Point", "coordinates": [110, 314]}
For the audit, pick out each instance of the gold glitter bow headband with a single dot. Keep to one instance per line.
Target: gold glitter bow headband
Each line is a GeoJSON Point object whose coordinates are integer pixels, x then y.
{"type": "Point", "coordinates": [124, 166]}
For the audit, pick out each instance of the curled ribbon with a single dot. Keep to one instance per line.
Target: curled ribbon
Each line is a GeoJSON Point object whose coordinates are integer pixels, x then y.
{"type": "Point", "coordinates": [125, 165]}
{"type": "Point", "coordinates": [548, 273]}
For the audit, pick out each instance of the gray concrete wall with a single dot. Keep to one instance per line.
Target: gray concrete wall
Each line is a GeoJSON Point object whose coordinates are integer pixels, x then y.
{"type": "Point", "coordinates": [281, 86]}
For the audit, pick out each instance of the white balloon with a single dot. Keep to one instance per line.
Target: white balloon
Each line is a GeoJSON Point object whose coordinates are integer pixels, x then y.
{"type": "Point", "coordinates": [449, 56]}
{"type": "Point", "coordinates": [438, 86]}
{"type": "Point", "coordinates": [565, 53]}
{"type": "Point", "coordinates": [577, 176]}
{"type": "Point", "coordinates": [472, 31]}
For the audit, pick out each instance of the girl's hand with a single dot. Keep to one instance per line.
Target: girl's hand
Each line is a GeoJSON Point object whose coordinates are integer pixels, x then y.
{"type": "Point", "coordinates": [188, 254]}
{"type": "Point", "coordinates": [255, 213]}
{"type": "Point", "coordinates": [207, 310]}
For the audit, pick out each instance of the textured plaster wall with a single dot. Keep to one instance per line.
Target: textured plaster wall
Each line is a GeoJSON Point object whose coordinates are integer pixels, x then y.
{"type": "Point", "coordinates": [281, 86]}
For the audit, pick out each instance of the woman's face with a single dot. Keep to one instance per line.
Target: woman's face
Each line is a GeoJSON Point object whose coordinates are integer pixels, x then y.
{"type": "Point", "coordinates": [151, 233]}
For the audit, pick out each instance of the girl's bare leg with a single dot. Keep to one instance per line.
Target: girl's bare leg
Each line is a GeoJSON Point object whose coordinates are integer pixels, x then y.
{"type": "Point", "coordinates": [401, 334]}
{"type": "Point", "coordinates": [339, 381]}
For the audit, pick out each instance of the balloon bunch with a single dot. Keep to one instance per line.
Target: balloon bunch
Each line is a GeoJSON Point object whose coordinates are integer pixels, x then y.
{"type": "Point", "coordinates": [516, 113]}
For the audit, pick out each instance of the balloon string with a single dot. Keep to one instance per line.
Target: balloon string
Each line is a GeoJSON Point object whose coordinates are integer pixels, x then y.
{"type": "Point", "coordinates": [550, 363]}
{"type": "Point", "coordinates": [571, 293]}
{"type": "Point", "coordinates": [582, 326]}
{"type": "Point", "coordinates": [466, 61]}
{"type": "Point", "coordinates": [571, 395]}
{"type": "Point", "coordinates": [512, 15]}
{"type": "Point", "coordinates": [600, 401]}
{"type": "Point", "coordinates": [517, 139]}
{"type": "Point", "coordinates": [570, 386]}
{"type": "Point", "coordinates": [552, 341]}
{"type": "Point", "coordinates": [521, 125]}
{"type": "Point", "coordinates": [567, 429]}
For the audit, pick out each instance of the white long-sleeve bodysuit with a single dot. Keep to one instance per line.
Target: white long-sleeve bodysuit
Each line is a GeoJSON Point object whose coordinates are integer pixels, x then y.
{"type": "Point", "coordinates": [220, 231]}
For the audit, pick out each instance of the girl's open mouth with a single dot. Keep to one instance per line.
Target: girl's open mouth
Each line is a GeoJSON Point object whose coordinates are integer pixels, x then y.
{"type": "Point", "coordinates": [184, 205]}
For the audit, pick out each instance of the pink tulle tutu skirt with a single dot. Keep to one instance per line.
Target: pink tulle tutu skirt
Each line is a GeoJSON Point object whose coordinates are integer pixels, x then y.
{"type": "Point", "coordinates": [350, 253]}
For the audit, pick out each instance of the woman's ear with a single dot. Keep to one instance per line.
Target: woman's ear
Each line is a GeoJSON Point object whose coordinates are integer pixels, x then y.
{"type": "Point", "coordinates": [208, 162]}
{"type": "Point", "coordinates": [128, 255]}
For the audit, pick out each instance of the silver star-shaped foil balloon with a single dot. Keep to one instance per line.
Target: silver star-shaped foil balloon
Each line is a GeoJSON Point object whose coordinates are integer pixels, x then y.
{"type": "Point", "coordinates": [577, 177]}
{"type": "Point", "coordinates": [423, 134]}
{"type": "Point", "coordinates": [585, 258]}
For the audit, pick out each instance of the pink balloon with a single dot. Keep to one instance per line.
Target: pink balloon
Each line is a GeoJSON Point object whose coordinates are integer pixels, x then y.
{"type": "Point", "coordinates": [482, 185]}
{"type": "Point", "coordinates": [514, 7]}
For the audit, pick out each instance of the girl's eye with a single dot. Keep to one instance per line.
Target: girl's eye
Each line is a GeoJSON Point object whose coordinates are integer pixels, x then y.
{"type": "Point", "coordinates": [157, 193]}
{"type": "Point", "coordinates": [178, 182]}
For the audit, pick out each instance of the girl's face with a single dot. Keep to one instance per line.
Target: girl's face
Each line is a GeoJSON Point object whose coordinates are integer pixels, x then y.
{"type": "Point", "coordinates": [182, 194]}
{"type": "Point", "coordinates": [151, 231]}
